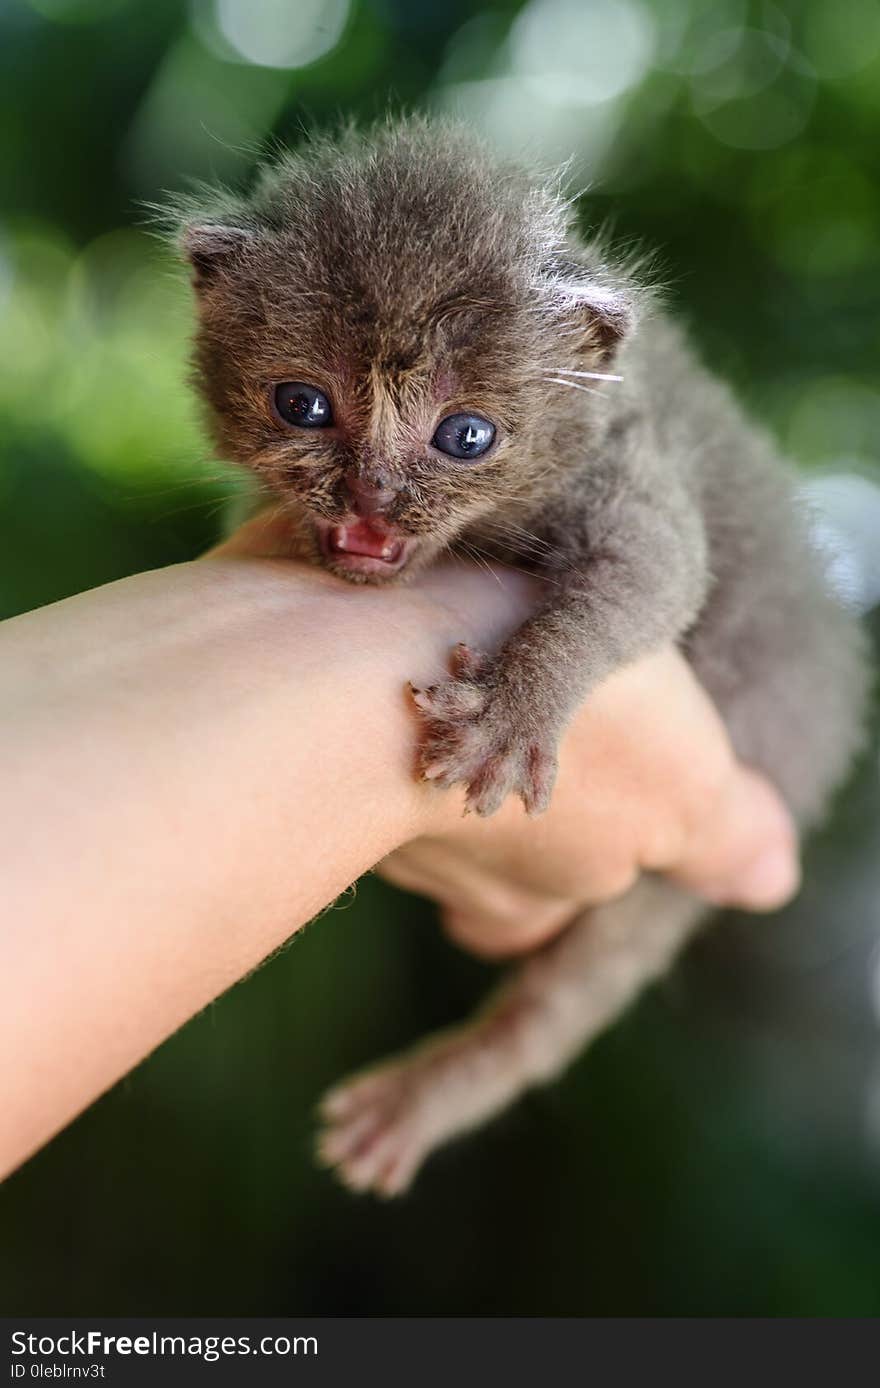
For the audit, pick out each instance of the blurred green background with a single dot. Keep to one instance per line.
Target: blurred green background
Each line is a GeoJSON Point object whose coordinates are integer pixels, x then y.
{"type": "Point", "coordinates": [719, 1151]}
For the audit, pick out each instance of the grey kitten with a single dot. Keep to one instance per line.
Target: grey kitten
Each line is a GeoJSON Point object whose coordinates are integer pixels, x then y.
{"type": "Point", "coordinates": [404, 338]}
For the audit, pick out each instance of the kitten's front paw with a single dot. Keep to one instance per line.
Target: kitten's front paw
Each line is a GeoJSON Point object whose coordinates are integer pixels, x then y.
{"type": "Point", "coordinates": [477, 735]}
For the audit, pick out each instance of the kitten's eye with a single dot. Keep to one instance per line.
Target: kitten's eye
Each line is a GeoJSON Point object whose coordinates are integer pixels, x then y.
{"type": "Point", "coordinates": [303, 405]}
{"type": "Point", "coordinates": [464, 435]}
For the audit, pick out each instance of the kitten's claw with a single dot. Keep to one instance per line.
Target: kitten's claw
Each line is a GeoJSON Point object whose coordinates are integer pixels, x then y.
{"type": "Point", "coordinates": [420, 697]}
{"type": "Point", "coordinates": [465, 662]}
{"type": "Point", "coordinates": [476, 735]}
{"type": "Point", "coordinates": [540, 779]}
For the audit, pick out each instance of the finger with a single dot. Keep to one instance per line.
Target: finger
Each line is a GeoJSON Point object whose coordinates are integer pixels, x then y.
{"type": "Point", "coordinates": [482, 911]}
{"type": "Point", "coordinates": [746, 852]}
{"type": "Point", "coordinates": [494, 937]}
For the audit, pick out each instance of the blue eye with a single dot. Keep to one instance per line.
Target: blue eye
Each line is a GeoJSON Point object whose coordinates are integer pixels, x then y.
{"type": "Point", "coordinates": [464, 435]}
{"type": "Point", "coordinates": [303, 405]}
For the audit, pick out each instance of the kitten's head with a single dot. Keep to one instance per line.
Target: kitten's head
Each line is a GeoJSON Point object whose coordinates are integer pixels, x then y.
{"type": "Point", "coordinates": [378, 323]}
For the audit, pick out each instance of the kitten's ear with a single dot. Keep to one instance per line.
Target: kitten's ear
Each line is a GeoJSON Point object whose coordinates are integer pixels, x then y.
{"type": "Point", "coordinates": [603, 316]}
{"type": "Point", "coordinates": [209, 247]}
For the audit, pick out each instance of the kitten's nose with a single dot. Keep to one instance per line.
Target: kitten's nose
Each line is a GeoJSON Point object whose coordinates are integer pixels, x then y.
{"type": "Point", "coordinates": [370, 496]}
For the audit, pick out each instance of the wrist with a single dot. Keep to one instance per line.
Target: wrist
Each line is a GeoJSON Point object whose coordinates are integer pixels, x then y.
{"type": "Point", "coordinates": [365, 645]}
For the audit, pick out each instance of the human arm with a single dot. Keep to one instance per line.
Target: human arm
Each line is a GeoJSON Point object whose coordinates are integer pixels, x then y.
{"type": "Point", "coordinates": [193, 762]}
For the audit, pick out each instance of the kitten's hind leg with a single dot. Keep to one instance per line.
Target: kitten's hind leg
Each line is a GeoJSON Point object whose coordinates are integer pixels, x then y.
{"type": "Point", "coordinates": [381, 1125]}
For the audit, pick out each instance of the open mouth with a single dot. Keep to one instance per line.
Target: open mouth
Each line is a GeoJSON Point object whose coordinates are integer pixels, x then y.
{"type": "Point", "coordinates": [363, 547]}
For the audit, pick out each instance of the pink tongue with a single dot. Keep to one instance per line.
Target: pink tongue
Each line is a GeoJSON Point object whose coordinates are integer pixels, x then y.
{"type": "Point", "coordinates": [361, 538]}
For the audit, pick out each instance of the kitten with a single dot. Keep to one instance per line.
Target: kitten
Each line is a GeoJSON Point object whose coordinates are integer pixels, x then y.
{"type": "Point", "coordinates": [404, 337]}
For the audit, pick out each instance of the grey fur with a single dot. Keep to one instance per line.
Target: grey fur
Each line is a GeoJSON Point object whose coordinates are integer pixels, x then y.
{"type": "Point", "coordinates": [408, 272]}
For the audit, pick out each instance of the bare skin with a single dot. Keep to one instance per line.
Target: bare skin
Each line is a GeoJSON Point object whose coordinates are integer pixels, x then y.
{"type": "Point", "coordinates": [165, 825]}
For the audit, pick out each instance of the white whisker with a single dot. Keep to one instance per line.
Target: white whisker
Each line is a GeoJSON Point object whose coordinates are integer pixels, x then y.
{"type": "Point", "coordinates": [480, 559]}
{"type": "Point", "coordinates": [593, 375]}
{"type": "Point", "coordinates": [573, 385]}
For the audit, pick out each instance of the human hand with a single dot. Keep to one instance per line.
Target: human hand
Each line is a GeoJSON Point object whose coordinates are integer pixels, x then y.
{"type": "Point", "coordinates": [647, 782]}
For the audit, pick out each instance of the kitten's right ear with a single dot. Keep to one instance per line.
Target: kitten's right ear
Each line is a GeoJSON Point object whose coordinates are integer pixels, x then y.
{"type": "Point", "coordinates": [602, 317]}
{"type": "Point", "coordinates": [210, 248]}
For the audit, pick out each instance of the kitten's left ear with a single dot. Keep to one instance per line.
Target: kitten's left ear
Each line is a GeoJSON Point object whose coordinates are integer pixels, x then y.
{"type": "Point", "coordinates": [604, 316]}
{"type": "Point", "coordinates": [210, 248]}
